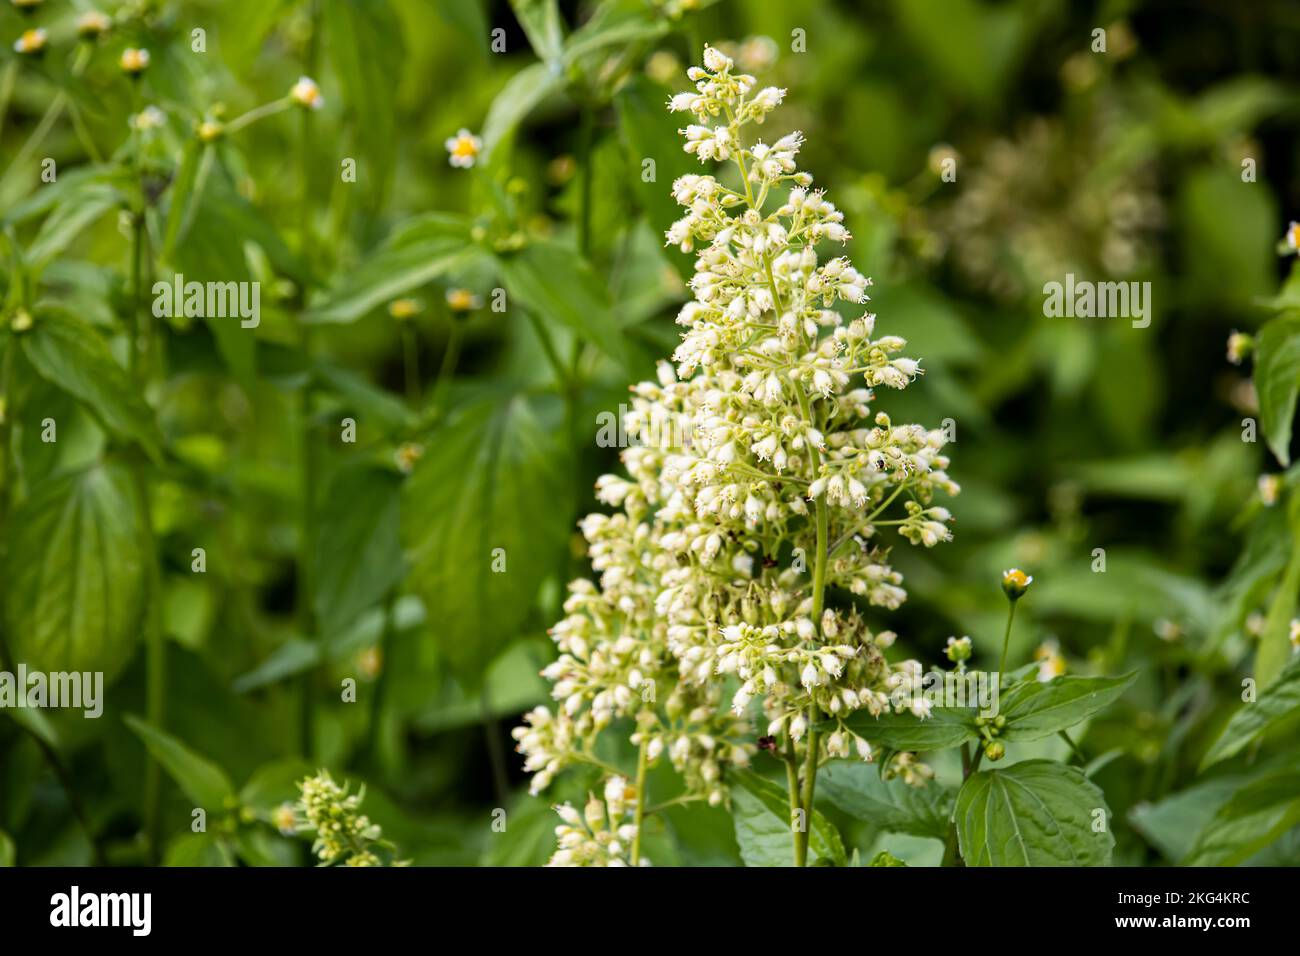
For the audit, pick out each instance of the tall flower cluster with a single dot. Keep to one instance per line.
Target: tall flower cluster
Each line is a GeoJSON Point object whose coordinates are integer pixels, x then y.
{"type": "Point", "coordinates": [707, 632]}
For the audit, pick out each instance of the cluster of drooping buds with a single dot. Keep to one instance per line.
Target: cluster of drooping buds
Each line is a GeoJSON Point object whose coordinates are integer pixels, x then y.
{"type": "Point", "coordinates": [603, 834]}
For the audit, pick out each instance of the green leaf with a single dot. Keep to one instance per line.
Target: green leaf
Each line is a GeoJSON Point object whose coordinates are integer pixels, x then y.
{"type": "Point", "coordinates": [761, 813]}
{"type": "Point", "coordinates": [69, 219]}
{"type": "Point", "coordinates": [1172, 824]}
{"type": "Point", "coordinates": [274, 784]}
{"type": "Point", "coordinates": [1277, 381]}
{"type": "Point", "coordinates": [359, 550]}
{"type": "Point", "coordinates": [289, 659]}
{"type": "Point", "coordinates": [421, 250]}
{"type": "Point", "coordinates": [1278, 702]}
{"type": "Point", "coordinates": [650, 132]}
{"type": "Point", "coordinates": [1035, 813]}
{"type": "Point", "coordinates": [71, 355]}
{"type": "Point", "coordinates": [486, 513]}
{"type": "Point", "coordinates": [891, 805]}
{"type": "Point", "coordinates": [202, 781]}
{"type": "Point", "coordinates": [1034, 709]}
{"type": "Point", "coordinates": [542, 25]}
{"type": "Point", "coordinates": [8, 853]}
{"type": "Point", "coordinates": [612, 25]}
{"type": "Point", "coordinates": [74, 580]}
{"type": "Point", "coordinates": [364, 40]}
{"type": "Point", "coordinates": [1249, 821]}
{"type": "Point", "coordinates": [557, 284]}
{"type": "Point", "coordinates": [370, 403]}
{"type": "Point", "coordinates": [519, 97]}
{"type": "Point", "coordinates": [945, 727]}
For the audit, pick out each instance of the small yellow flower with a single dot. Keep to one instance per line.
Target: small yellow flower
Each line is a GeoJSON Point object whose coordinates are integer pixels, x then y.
{"type": "Point", "coordinates": [463, 149]}
{"type": "Point", "coordinates": [407, 455]}
{"type": "Point", "coordinates": [92, 24]}
{"type": "Point", "coordinates": [1239, 346]}
{"type": "Point", "coordinates": [306, 93]}
{"type": "Point", "coordinates": [370, 662]}
{"type": "Point", "coordinates": [134, 61]}
{"type": "Point", "coordinates": [1292, 237]}
{"type": "Point", "coordinates": [22, 321]}
{"type": "Point", "coordinates": [463, 300]}
{"type": "Point", "coordinates": [1269, 486]}
{"type": "Point", "coordinates": [402, 309]}
{"type": "Point", "coordinates": [210, 131]}
{"type": "Point", "coordinates": [1015, 583]}
{"type": "Point", "coordinates": [1295, 635]}
{"type": "Point", "coordinates": [31, 43]}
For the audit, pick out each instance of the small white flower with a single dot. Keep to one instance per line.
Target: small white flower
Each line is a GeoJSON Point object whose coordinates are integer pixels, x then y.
{"type": "Point", "coordinates": [463, 149]}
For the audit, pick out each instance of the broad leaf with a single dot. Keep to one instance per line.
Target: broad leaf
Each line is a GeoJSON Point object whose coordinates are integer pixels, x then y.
{"type": "Point", "coordinates": [1172, 824]}
{"type": "Point", "coordinates": [1035, 813]}
{"type": "Point", "coordinates": [945, 727]}
{"type": "Point", "coordinates": [1277, 381]}
{"type": "Point", "coordinates": [1035, 709]}
{"type": "Point", "coordinates": [202, 781]}
{"type": "Point", "coordinates": [519, 97]}
{"type": "Point", "coordinates": [764, 827]}
{"type": "Point", "coordinates": [486, 518]}
{"type": "Point", "coordinates": [418, 252]}
{"type": "Point", "coordinates": [365, 43]}
{"type": "Point", "coordinates": [891, 805]}
{"type": "Point", "coordinates": [1278, 701]}
{"type": "Point", "coordinates": [74, 580]}
{"type": "Point", "coordinates": [359, 551]}
{"type": "Point", "coordinates": [70, 354]}
{"type": "Point", "coordinates": [555, 282]}
{"type": "Point", "coordinates": [1250, 820]}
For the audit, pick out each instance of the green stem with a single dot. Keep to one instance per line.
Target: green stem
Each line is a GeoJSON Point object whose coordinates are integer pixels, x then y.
{"type": "Point", "coordinates": [641, 766]}
{"type": "Point", "coordinates": [307, 457]}
{"type": "Point", "coordinates": [1006, 642]}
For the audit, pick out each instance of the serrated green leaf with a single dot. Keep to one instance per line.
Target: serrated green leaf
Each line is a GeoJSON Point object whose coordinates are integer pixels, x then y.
{"type": "Point", "coordinates": [761, 813]}
{"type": "Point", "coordinates": [486, 518]}
{"type": "Point", "coordinates": [945, 727]}
{"type": "Point", "coordinates": [201, 780]}
{"type": "Point", "coordinates": [359, 550]}
{"type": "Point", "coordinates": [1278, 701]}
{"type": "Point", "coordinates": [1277, 382]}
{"type": "Point", "coordinates": [1035, 709]}
{"type": "Point", "coordinates": [1035, 813]}
{"type": "Point", "coordinates": [71, 355]}
{"type": "Point", "coordinates": [74, 580]}
{"type": "Point", "coordinates": [891, 805]}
